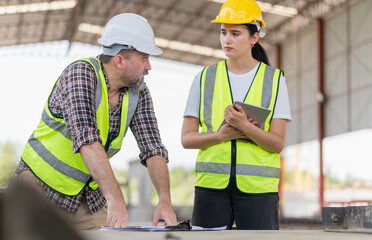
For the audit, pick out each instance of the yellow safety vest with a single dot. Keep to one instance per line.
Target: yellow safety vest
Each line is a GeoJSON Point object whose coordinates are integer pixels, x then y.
{"type": "Point", "coordinates": [49, 152]}
{"type": "Point", "coordinates": [256, 170]}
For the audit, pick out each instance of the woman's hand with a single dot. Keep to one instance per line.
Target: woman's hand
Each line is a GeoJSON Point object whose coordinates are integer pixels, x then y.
{"type": "Point", "coordinates": [273, 140]}
{"type": "Point", "coordinates": [236, 117]}
{"type": "Point", "coordinates": [228, 132]}
{"type": "Point", "coordinates": [192, 139]}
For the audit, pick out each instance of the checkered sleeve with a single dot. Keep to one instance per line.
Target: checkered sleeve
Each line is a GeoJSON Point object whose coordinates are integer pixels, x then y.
{"type": "Point", "coordinates": [144, 127]}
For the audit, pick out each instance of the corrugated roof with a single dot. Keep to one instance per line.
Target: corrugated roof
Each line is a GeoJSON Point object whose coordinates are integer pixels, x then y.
{"type": "Point", "coordinates": [175, 22]}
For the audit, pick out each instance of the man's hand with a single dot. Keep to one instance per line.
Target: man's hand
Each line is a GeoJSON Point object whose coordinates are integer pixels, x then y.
{"type": "Point", "coordinates": [164, 211]}
{"type": "Point", "coordinates": [158, 170]}
{"type": "Point", "coordinates": [117, 214]}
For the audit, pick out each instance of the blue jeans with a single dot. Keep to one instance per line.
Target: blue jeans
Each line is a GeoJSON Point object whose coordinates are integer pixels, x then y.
{"type": "Point", "coordinates": [217, 208]}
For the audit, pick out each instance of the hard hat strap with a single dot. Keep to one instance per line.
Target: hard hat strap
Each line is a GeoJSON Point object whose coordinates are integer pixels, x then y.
{"type": "Point", "coordinates": [258, 25]}
{"type": "Point", "coordinates": [115, 49]}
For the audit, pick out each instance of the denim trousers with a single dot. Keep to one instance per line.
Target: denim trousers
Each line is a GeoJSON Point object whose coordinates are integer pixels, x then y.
{"type": "Point", "coordinates": [217, 208]}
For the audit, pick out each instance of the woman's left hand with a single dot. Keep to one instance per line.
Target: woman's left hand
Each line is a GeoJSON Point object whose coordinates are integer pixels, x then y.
{"type": "Point", "coordinates": [236, 117]}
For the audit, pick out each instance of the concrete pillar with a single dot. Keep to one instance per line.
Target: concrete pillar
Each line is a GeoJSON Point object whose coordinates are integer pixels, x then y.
{"type": "Point", "coordinates": [142, 209]}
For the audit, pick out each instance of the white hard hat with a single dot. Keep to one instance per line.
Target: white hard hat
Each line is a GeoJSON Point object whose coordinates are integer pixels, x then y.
{"type": "Point", "coordinates": [128, 31]}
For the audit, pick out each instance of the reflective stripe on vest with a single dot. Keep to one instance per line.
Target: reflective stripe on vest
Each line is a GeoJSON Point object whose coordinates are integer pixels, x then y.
{"type": "Point", "coordinates": [56, 163]}
{"type": "Point", "coordinates": [252, 162]}
{"type": "Point", "coordinates": [241, 169]}
{"type": "Point", "coordinates": [49, 153]}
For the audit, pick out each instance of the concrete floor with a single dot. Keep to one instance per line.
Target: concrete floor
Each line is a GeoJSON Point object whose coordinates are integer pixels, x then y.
{"type": "Point", "coordinates": [226, 235]}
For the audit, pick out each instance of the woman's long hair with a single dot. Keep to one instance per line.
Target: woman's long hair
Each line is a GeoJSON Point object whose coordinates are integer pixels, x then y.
{"type": "Point", "coordinates": [258, 52]}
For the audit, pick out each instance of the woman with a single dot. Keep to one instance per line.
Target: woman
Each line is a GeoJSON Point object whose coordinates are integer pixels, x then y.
{"type": "Point", "coordinates": [238, 165]}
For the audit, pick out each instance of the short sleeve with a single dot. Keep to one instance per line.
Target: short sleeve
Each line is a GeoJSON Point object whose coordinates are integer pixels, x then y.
{"type": "Point", "coordinates": [193, 101]}
{"type": "Point", "coordinates": [282, 107]}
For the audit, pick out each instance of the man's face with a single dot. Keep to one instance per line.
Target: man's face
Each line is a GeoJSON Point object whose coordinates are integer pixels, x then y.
{"type": "Point", "coordinates": [137, 65]}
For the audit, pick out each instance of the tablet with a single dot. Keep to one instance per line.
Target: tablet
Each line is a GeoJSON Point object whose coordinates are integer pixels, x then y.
{"type": "Point", "coordinates": [258, 114]}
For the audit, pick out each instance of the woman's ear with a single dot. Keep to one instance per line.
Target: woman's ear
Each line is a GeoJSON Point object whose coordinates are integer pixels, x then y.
{"type": "Point", "coordinates": [254, 38]}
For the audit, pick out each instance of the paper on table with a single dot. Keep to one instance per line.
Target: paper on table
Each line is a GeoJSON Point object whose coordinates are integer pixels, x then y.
{"type": "Point", "coordinates": [144, 228]}
{"type": "Point", "coordinates": [197, 228]}
{"type": "Point", "coordinates": [151, 228]}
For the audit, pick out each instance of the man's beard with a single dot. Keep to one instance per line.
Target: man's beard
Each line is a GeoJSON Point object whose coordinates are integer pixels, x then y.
{"type": "Point", "coordinates": [140, 85]}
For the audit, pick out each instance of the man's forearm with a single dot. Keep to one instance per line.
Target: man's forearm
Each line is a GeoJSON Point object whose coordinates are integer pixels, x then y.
{"type": "Point", "coordinates": [99, 167]}
{"type": "Point", "coordinates": [96, 160]}
{"type": "Point", "coordinates": [158, 170]}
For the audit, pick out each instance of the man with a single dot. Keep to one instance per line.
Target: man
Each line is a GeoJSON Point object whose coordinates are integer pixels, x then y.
{"type": "Point", "coordinates": [87, 114]}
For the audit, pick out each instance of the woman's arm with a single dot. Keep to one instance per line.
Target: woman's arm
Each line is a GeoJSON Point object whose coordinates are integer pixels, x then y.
{"type": "Point", "coordinates": [191, 138]}
{"type": "Point", "coordinates": [273, 140]}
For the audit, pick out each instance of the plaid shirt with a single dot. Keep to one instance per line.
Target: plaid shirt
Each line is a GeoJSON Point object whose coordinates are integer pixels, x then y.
{"type": "Point", "coordinates": [73, 99]}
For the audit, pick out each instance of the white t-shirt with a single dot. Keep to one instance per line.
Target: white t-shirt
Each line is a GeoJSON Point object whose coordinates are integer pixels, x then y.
{"type": "Point", "coordinates": [240, 84]}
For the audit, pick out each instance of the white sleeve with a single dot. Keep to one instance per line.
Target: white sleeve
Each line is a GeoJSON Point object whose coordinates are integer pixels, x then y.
{"type": "Point", "coordinates": [282, 108]}
{"type": "Point", "coordinates": [193, 102]}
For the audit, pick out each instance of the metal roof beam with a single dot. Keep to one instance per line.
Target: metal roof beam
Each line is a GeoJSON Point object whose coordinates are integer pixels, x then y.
{"type": "Point", "coordinates": [314, 10]}
{"type": "Point", "coordinates": [195, 15]}
{"type": "Point", "coordinates": [76, 16]}
{"type": "Point", "coordinates": [45, 25]}
{"type": "Point", "coordinates": [141, 6]}
{"type": "Point", "coordinates": [163, 17]}
{"type": "Point", "coordinates": [199, 41]}
{"type": "Point", "coordinates": [109, 8]}
{"type": "Point", "coordinates": [20, 26]}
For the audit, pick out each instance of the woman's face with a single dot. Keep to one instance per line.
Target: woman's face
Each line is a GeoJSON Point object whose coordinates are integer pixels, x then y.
{"type": "Point", "coordinates": [235, 40]}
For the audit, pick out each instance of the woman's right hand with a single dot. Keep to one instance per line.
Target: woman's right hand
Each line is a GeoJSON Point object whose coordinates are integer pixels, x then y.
{"type": "Point", "coordinates": [191, 138]}
{"type": "Point", "coordinates": [228, 132]}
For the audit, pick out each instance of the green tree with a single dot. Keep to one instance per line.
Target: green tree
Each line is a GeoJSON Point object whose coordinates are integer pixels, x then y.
{"type": "Point", "coordinates": [9, 157]}
{"type": "Point", "coordinates": [182, 186]}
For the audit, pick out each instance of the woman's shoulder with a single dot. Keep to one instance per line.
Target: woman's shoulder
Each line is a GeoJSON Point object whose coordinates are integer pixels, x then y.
{"type": "Point", "coordinates": [274, 68]}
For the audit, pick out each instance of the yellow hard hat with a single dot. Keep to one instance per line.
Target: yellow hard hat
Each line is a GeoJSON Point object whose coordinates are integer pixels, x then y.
{"type": "Point", "coordinates": [239, 12]}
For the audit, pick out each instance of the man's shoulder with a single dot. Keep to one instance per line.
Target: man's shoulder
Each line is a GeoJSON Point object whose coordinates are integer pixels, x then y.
{"type": "Point", "coordinates": [78, 68]}
{"type": "Point", "coordinates": [78, 72]}
{"type": "Point", "coordinates": [80, 64]}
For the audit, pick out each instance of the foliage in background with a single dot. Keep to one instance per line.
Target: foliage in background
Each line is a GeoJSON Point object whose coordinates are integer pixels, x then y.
{"type": "Point", "coordinates": [334, 182]}
{"type": "Point", "coordinates": [182, 182]}
{"type": "Point", "coordinates": [9, 158]}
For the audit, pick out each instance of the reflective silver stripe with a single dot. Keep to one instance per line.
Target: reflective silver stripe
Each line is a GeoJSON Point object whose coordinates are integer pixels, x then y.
{"type": "Point", "coordinates": [210, 79]}
{"type": "Point", "coordinates": [111, 152]}
{"type": "Point", "coordinates": [99, 87]}
{"type": "Point", "coordinates": [55, 163]}
{"type": "Point", "coordinates": [267, 87]}
{"type": "Point", "coordinates": [259, 171]}
{"type": "Point", "coordinates": [221, 168]}
{"type": "Point", "coordinates": [132, 106]}
{"type": "Point", "coordinates": [55, 125]}
{"type": "Point", "coordinates": [241, 169]}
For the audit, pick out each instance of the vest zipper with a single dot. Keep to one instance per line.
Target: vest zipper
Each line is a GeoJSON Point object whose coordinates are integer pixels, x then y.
{"type": "Point", "coordinates": [110, 137]}
{"type": "Point", "coordinates": [233, 160]}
